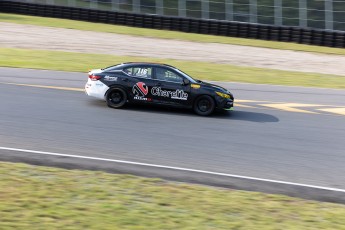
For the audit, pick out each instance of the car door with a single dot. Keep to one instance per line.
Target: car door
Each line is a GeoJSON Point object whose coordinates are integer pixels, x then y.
{"type": "Point", "coordinates": [169, 87]}
{"type": "Point", "coordinates": [140, 83]}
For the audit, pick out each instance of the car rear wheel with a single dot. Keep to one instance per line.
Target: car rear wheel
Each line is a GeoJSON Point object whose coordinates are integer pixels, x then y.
{"type": "Point", "coordinates": [204, 105]}
{"type": "Point", "coordinates": [116, 98]}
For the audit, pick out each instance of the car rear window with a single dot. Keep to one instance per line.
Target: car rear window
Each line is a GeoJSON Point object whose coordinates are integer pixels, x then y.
{"type": "Point", "coordinates": [113, 67]}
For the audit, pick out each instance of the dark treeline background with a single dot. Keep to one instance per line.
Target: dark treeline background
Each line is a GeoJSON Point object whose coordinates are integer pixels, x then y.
{"type": "Point", "coordinates": [241, 10]}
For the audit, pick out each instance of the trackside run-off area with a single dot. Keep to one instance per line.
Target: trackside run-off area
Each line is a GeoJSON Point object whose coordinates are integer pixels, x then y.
{"type": "Point", "coordinates": [51, 198]}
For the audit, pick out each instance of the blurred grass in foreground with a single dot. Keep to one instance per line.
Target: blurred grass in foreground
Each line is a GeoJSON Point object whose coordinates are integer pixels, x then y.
{"type": "Point", "coordinates": [80, 25]}
{"type": "Point", "coordinates": [35, 197]}
{"type": "Point", "coordinates": [81, 62]}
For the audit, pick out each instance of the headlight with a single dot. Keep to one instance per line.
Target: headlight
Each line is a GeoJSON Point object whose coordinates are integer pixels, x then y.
{"type": "Point", "coordinates": [224, 95]}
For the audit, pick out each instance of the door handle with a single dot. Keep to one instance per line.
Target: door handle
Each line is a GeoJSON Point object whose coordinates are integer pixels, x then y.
{"type": "Point", "coordinates": [159, 84]}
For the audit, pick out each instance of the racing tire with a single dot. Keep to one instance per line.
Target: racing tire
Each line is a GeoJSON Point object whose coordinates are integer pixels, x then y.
{"type": "Point", "coordinates": [116, 98]}
{"type": "Point", "coordinates": [204, 105]}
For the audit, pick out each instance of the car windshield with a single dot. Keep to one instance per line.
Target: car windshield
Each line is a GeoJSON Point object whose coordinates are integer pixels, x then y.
{"type": "Point", "coordinates": [187, 76]}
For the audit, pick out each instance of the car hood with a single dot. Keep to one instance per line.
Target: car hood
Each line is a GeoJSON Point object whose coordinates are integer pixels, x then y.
{"type": "Point", "coordinates": [215, 87]}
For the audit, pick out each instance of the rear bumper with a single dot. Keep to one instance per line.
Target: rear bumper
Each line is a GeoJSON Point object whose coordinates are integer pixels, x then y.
{"type": "Point", "coordinates": [96, 89]}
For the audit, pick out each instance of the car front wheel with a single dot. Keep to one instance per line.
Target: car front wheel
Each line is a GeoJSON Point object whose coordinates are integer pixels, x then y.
{"type": "Point", "coordinates": [204, 105]}
{"type": "Point", "coordinates": [116, 98]}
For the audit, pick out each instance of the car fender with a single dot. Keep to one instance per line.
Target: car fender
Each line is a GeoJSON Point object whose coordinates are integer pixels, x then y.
{"type": "Point", "coordinates": [115, 86]}
{"type": "Point", "coordinates": [208, 94]}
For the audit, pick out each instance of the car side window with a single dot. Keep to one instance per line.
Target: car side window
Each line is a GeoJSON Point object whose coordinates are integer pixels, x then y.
{"type": "Point", "coordinates": [139, 71]}
{"type": "Point", "coordinates": [168, 75]}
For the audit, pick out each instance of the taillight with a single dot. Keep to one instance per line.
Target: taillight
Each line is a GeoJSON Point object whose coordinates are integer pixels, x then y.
{"type": "Point", "coordinates": [94, 77]}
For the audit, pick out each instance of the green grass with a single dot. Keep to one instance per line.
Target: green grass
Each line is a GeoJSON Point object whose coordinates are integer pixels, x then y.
{"type": "Point", "coordinates": [35, 197]}
{"type": "Point", "coordinates": [63, 23]}
{"type": "Point", "coordinates": [80, 62]}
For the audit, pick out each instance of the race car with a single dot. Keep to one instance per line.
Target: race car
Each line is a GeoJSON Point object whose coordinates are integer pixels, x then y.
{"type": "Point", "coordinates": [152, 83]}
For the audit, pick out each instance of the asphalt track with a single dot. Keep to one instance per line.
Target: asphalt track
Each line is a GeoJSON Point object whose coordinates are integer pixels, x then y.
{"type": "Point", "coordinates": [288, 135]}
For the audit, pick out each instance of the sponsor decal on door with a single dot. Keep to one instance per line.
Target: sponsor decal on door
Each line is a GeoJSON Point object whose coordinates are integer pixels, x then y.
{"type": "Point", "coordinates": [177, 94]}
{"type": "Point", "coordinates": [140, 90]}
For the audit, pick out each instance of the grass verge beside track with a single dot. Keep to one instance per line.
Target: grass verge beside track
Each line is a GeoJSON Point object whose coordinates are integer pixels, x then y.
{"type": "Point", "coordinates": [35, 197]}
{"type": "Point", "coordinates": [80, 25]}
{"type": "Point", "coordinates": [81, 62]}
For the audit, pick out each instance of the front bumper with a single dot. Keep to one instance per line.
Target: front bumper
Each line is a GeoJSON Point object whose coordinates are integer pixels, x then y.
{"type": "Point", "coordinates": [226, 104]}
{"type": "Point", "coordinates": [229, 105]}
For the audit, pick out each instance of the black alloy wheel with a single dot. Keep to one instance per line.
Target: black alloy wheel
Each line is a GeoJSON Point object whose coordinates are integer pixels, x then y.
{"type": "Point", "coordinates": [204, 105]}
{"type": "Point", "coordinates": [116, 98]}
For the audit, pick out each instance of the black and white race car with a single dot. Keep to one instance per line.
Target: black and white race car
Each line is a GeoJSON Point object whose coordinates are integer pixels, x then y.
{"type": "Point", "coordinates": [156, 84]}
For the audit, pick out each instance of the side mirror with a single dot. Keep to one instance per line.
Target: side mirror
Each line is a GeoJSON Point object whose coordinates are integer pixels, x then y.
{"type": "Point", "coordinates": [186, 81]}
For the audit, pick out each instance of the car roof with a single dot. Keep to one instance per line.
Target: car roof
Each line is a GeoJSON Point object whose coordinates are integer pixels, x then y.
{"type": "Point", "coordinates": [148, 63]}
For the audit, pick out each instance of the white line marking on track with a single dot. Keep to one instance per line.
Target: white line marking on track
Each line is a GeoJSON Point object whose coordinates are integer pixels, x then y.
{"type": "Point", "coordinates": [171, 167]}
